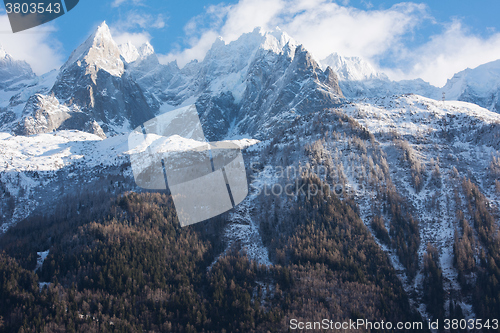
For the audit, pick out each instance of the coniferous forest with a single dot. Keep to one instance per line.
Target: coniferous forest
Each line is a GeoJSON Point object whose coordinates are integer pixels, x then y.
{"type": "Point", "coordinates": [123, 264]}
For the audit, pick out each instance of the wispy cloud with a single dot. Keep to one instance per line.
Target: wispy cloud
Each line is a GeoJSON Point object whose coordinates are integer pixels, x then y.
{"type": "Point", "coordinates": [136, 38]}
{"type": "Point", "coordinates": [134, 27]}
{"type": "Point", "coordinates": [117, 3]}
{"type": "Point", "coordinates": [445, 54]}
{"type": "Point", "coordinates": [197, 50]}
{"type": "Point", "coordinates": [134, 19]}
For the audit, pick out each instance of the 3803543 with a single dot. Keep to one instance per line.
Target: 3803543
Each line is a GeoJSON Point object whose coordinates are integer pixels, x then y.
{"type": "Point", "coordinates": [32, 8]}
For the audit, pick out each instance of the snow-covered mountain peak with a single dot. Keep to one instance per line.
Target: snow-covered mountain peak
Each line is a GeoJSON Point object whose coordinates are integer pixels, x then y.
{"type": "Point", "coordinates": [102, 33]}
{"type": "Point", "coordinates": [279, 41]}
{"type": "Point", "coordinates": [481, 79]}
{"type": "Point", "coordinates": [98, 52]}
{"type": "Point", "coordinates": [145, 50]}
{"type": "Point", "coordinates": [351, 68]}
{"type": "Point", "coordinates": [129, 52]}
{"type": "Point", "coordinates": [228, 58]}
{"type": "Point", "coordinates": [480, 85]}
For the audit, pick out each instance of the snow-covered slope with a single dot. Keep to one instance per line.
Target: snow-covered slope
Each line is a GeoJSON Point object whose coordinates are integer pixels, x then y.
{"type": "Point", "coordinates": [387, 142]}
{"type": "Point", "coordinates": [39, 169]}
{"type": "Point", "coordinates": [59, 161]}
{"type": "Point", "coordinates": [14, 99]}
{"type": "Point", "coordinates": [448, 141]}
{"type": "Point", "coordinates": [378, 87]}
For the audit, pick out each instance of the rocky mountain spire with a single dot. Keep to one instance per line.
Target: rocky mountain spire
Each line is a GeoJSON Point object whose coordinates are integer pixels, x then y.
{"type": "Point", "coordinates": [98, 52]}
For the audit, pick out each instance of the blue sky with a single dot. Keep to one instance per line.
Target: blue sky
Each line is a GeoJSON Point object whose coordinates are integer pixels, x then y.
{"type": "Point", "coordinates": [427, 39]}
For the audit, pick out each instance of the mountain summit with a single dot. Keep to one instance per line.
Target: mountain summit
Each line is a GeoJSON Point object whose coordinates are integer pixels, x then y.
{"type": "Point", "coordinates": [249, 86]}
{"type": "Point", "coordinates": [98, 52]}
{"type": "Point", "coordinates": [12, 71]}
{"type": "Point", "coordinates": [252, 86]}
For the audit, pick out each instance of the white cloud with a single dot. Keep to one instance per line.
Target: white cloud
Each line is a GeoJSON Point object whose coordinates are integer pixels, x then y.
{"type": "Point", "coordinates": [321, 25]}
{"type": "Point", "coordinates": [159, 22]}
{"type": "Point", "coordinates": [135, 19]}
{"type": "Point", "coordinates": [201, 32]}
{"type": "Point", "coordinates": [127, 29]}
{"type": "Point", "coordinates": [248, 14]}
{"type": "Point", "coordinates": [136, 38]}
{"type": "Point", "coordinates": [198, 49]}
{"type": "Point", "coordinates": [117, 3]}
{"type": "Point", "coordinates": [36, 46]}
{"type": "Point", "coordinates": [448, 53]}
{"type": "Point", "coordinates": [328, 27]}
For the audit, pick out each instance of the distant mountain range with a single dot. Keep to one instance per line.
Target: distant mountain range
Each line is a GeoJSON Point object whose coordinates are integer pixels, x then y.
{"type": "Point", "coordinates": [66, 131]}
{"type": "Point", "coordinates": [358, 79]}
{"type": "Point", "coordinates": [245, 87]}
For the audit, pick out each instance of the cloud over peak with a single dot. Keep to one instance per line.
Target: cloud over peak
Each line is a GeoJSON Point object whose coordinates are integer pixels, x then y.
{"type": "Point", "coordinates": [382, 36]}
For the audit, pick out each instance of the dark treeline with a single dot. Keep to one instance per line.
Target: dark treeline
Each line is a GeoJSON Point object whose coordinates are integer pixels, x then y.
{"type": "Point", "coordinates": [404, 230]}
{"type": "Point", "coordinates": [433, 284]}
{"type": "Point", "coordinates": [134, 269]}
{"type": "Point", "coordinates": [486, 291]}
{"type": "Point", "coordinates": [464, 249]}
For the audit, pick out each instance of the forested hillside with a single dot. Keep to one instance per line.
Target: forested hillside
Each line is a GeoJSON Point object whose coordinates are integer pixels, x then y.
{"type": "Point", "coordinates": [134, 269]}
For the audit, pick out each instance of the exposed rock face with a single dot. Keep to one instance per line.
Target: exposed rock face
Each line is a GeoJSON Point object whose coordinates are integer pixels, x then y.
{"type": "Point", "coordinates": [42, 114]}
{"type": "Point", "coordinates": [94, 128]}
{"type": "Point", "coordinates": [98, 52]}
{"type": "Point", "coordinates": [278, 91]}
